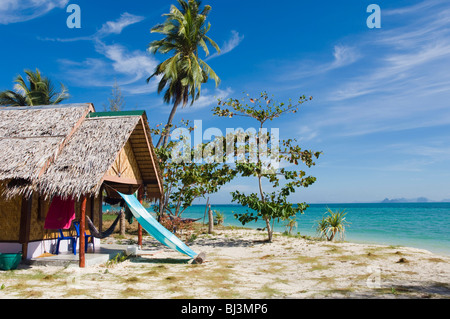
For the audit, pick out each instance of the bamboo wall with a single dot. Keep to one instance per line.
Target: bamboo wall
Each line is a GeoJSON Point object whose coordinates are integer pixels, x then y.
{"type": "Point", "coordinates": [10, 218]}
{"type": "Point", "coordinates": [10, 215]}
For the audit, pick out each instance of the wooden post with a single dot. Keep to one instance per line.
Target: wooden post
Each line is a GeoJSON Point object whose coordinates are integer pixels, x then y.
{"type": "Point", "coordinates": [122, 222]}
{"type": "Point", "coordinates": [100, 209]}
{"type": "Point", "coordinates": [25, 221]}
{"type": "Point", "coordinates": [140, 197]}
{"type": "Point", "coordinates": [81, 251]}
{"type": "Point", "coordinates": [161, 207]}
{"type": "Point", "coordinates": [140, 235]}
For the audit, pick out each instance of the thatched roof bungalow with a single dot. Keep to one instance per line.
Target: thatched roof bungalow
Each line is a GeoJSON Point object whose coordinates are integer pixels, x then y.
{"type": "Point", "coordinates": [69, 151]}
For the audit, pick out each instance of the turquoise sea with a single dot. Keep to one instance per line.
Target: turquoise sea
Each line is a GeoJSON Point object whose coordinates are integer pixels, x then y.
{"type": "Point", "coordinates": [420, 225]}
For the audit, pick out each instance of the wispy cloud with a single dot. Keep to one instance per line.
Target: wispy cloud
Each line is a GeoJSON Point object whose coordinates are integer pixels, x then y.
{"type": "Point", "coordinates": [341, 56]}
{"type": "Point", "coordinates": [128, 68]}
{"type": "Point", "coordinates": [110, 27]}
{"type": "Point", "coordinates": [420, 47]}
{"type": "Point", "coordinates": [14, 11]}
{"type": "Point", "coordinates": [229, 45]}
{"type": "Point", "coordinates": [401, 81]}
{"type": "Point", "coordinates": [116, 27]}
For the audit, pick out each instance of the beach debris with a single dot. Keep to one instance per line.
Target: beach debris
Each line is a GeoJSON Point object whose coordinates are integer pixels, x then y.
{"type": "Point", "coordinates": [402, 261]}
{"type": "Point", "coordinates": [200, 258]}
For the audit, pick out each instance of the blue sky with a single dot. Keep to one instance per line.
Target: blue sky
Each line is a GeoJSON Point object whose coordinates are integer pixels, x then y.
{"type": "Point", "coordinates": [381, 107]}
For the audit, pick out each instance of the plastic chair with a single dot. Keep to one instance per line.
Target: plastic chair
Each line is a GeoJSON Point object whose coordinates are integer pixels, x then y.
{"type": "Point", "coordinates": [77, 229]}
{"type": "Point", "coordinates": [73, 242]}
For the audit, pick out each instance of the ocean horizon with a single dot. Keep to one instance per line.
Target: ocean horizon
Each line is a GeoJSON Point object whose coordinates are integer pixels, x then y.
{"type": "Point", "coordinates": [419, 225]}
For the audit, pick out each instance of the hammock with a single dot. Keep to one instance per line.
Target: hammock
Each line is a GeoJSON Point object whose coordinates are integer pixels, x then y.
{"type": "Point", "coordinates": [95, 232]}
{"type": "Point", "coordinates": [184, 220]}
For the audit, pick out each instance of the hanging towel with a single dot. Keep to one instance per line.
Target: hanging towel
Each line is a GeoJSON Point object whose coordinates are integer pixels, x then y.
{"type": "Point", "coordinates": [60, 214]}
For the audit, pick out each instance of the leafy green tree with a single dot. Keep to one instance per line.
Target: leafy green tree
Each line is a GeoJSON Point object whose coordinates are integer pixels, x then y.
{"type": "Point", "coordinates": [183, 74]}
{"type": "Point", "coordinates": [275, 205]}
{"type": "Point", "coordinates": [184, 179]}
{"type": "Point", "coordinates": [35, 90]}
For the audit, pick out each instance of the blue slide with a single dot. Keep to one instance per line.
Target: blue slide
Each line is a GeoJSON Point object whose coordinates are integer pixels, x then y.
{"type": "Point", "coordinates": [154, 228]}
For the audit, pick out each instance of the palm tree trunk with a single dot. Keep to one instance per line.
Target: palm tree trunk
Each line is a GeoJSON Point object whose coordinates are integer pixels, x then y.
{"type": "Point", "coordinates": [332, 235]}
{"type": "Point", "coordinates": [122, 223]}
{"type": "Point", "coordinates": [164, 139]}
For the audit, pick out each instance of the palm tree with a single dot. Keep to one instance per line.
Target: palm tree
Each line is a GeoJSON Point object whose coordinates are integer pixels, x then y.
{"type": "Point", "coordinates": [331, 225]}
{"type": "Point", "coordinates": [38, 91]}
{"type": "Point", "coordinates": [182, 74]}
{"type": "Point", "coordinates": [291, 223]}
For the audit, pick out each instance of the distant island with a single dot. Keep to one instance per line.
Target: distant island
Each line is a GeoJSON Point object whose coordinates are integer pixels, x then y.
{"type": "Point", "coordinates": [411, 200]}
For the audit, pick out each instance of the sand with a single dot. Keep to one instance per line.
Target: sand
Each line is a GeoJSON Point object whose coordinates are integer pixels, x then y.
{"type": "Point", "coordinates": [240, 264]}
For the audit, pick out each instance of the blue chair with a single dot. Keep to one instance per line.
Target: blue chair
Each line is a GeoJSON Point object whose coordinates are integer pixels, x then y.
{"type": "Point", "coordinates": [77, 229]}
{"type": "Point", "coordinates": [73, 242]}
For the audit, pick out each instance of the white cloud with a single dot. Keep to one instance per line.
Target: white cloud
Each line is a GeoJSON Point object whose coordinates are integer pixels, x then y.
{"type": "Point", "coordinates": [128, 68]}
{"type": "Point", "coordinates": [343, 55]}
{"type": "Point", "coordinates": [136, 64]}
{"type": "Point", "coordinates": [229, 45]}
{"type": "Point", "coordinates": [116, 27]}
{"type": "Point", "coordinates": [14, 11]}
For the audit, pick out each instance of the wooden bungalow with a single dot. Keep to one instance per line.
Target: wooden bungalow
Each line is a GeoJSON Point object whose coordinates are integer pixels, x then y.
{"type": "Point", "coordinates": [72, 152]}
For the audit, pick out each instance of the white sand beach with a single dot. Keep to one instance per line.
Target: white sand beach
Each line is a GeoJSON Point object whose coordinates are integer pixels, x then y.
{"type": "Point", "coordinates": [240, 264]}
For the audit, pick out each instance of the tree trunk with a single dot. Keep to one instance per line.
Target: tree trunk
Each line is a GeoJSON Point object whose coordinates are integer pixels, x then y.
{"type": "Point", "coordinates": [269, 229]}
{"type": "Point", "coordinates": [266, 218]}
{"type": "Point", "coordinates": [164, 139]}
{"type": "Point", "coordinates": [332, 236]}
{"type": "Point", "coordinates": [122, 223]}
{"type": "Point", "coordinates": [161, 207]}
{"type": "Point", "coordinates": [211, 221]}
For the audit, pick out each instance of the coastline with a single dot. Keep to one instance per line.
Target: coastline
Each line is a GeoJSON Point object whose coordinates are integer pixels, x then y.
{"type": "Point", "coordinates": [241, 264]}
{"type": "Point", "coordinates": [421, 225]}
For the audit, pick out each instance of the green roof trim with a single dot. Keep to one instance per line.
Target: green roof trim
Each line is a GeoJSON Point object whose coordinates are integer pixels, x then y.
{"type": "Point", "coordinates": [119, 113]}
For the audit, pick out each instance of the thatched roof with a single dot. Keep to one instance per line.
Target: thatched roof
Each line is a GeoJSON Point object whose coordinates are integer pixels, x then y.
{"type": "Point", "coordinates": [88, 155]}
{"type": "Point", "coordinates": [60, 150]}
{"type": "Point", "coordinates": [30, 136]}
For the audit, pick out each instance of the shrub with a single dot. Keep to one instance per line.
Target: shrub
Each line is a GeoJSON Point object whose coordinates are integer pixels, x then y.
{"type": "Point", "coordinates": [331, 224]}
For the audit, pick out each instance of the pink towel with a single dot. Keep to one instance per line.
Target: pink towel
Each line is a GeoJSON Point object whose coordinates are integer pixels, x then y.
{"type": "Point", "coordinates": [60, 214]}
